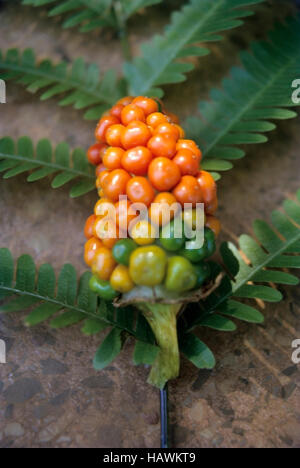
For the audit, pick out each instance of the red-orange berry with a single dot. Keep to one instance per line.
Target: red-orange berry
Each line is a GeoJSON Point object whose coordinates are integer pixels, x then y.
{"type": "Point", "coordinates": [103, 126]}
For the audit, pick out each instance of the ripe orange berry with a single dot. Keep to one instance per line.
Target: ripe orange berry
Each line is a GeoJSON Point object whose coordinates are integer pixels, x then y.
{"type": "Point", "coordinates": [103, 126]}
{"type": "Point", "coordinates": [167, 129]}
{"type": "Point", "coordinates": [100, 168]}
{"type": "Point", "coordinates": [209, 191]}
{"type": "Point", "coordinates": [188, 191]}
{"type": "Point", "coordinates": [103, 263]}
{"type": "Point", "coordinates": [131, 113]}
{"type": "Point", "coordinates": [107, 239]}
{"type": "Point", "coordinates": [156, 119]}
{"type": "Point", "coordinates": [162, 145]}
{"type": "Point", "coordinates": [101, 178]}
{"type": "Point", "coordinates": [137, 160]}
{"type": "Point", "coordinates": [114, 134]}
{"type": "Point", "coordinates": [146, 104]}
{"type": "Point", "coordinates": [117, 110]}
{"type": "Point", "coordinates": [94, 153]}
{"type": "Point", "coordinates": [124, 214]}
{"type": "Point", "coordinates": [173, 117]}
{"type": "Point", "coordinates": [90, 249]}
{"type": "Point", "coordinates": [115, 184]}
{"type": "Point", "coordinates": [125, 101]}
{"type": "Point", "coordinates": [136, 134]}
{"type": "Point", "coordinates": [160, 208]}
{"type": "Point", "coordinates": [181, 131]}
{"type": "Point", "coordinates": [187, 162]}
{"type": "Point", "coordinates": [139, 190]}
{"type": "Point", "coordinates": [112, 158]}
{"type": "Point", "coordinates": [214, 224]}
{"type": "Point", "coordinates": [88, 228]}
{"type": "Point", "coordinates": [163, 174]}
{"type": "Point", "coordinates": [190, 145]}
{"type": "Point", "coordinates": [104, 207]}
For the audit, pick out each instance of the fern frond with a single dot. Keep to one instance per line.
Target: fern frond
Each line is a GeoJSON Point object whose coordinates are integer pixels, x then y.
{"type": "Point", "coordinates": [65, 302]}
{"type": "Point", "coordinates": [130, 7]}
{"type": "Point", "coordinates": [79, 83]}
{"type": "Point", "coordinates": [194, 23]}
{"type": "Point", "coordinates": [239, 113]}
{"type": "Point", "coordinates": [87, 14]}
{"type": "Point", "coordinates": [43, 161]}
{"type": "Point", "coordinates": [255, 267]}
{"type": "Point", "coordinates": [92, 14]}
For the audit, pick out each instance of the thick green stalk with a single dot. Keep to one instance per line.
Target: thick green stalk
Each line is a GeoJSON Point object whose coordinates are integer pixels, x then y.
{"type": "Point", "coordinates": [162, 318]}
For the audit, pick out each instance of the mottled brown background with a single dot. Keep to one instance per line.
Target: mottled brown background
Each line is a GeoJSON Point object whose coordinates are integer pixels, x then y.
{"type": "Point", "coordinates": [50, 396]}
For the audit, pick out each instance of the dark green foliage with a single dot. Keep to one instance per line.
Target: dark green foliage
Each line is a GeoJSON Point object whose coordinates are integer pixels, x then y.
{"type": "Point", "coordinates": [92, 14]}
{"type": "Point", "coordinates": [265, 257]}
{"type": "Point", "coordinates": [65, 302]}
{"type": "Point", "coordinates": [199, 21]}
{"type": "Point", "coordinates": [43, 161]}
{"type": "Point", "coordinates": [241, 111]}
{"type": "Point", "coordinates": [80, 84]}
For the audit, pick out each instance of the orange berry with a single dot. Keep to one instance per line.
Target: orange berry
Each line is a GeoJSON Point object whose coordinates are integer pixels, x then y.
{"type": "Point", "coordinates": [112, 158]}
{"type": "Point", "coordinates": [88, 228]}
{"type": "Point", "coordinates": [214, 224]}
{"type": "Point", "coordinates": [187, 162]}
{"type": "Point", "coordinates": [137, 160]}
{"type": "Point", "coordinates": [101, 178]}
{"type": "Point", "coordinates": [160, 205]}
{"type": "Point", "coordinates": [104, 125]}
{"type": "Point", "coordinates": [162, 145]}
{"type": "Point", "coordinates": [90, 249]}
{"type": "Point", "coordinates": [125, 101]}
{"type": "Point", "coordinates": [167, 129]}
{"type": "Point", "coordinates": [156, 119]}
{"type": "Point", "coordinates": [131, 113]}
{"type": "Point", "coordinates": [163, 174]}
{"type": "Point", "coordinates": [103, 207]}
{"type": "Point", "coordinates": [124, 214]}
{"type": "Point", "coordinates": [181, 131]}
{"type": "Point", "coordinates": [173, 117]}
{"type": "Point", "coordinates": [100, 168]}
{"type": "Point", "coordinates": [114, 134]}
{"type": "Point", "coordinates": [190, 145]}
{"type": "Point", "coordinates": [117, 110]}
{"type": "Point", "coordinates": [139, 190]}
{"type": "Point", "coordinates": [115, 184]}
{"type": "Point", "coordinates": [188, 191]}
{"type": "Point", "coordinates": [209, 191]}
{"type": "Point", "coordinates": [136, 134]}
{"type": "Point", "coordinates": [146, 104]}
{"type": "Point", "coordinates": [94, 153]}
{"type": "Point", "coordinates": [103, 263]}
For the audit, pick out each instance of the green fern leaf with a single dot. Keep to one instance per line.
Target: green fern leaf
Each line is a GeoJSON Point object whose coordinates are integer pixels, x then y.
{"type": "Point", "coordinates": [92, 14]}
{"type": "Point", "coordinates": [130, 7]}
{"type": "Point", "coordinates": [88, 14]}
{"type": "Point", "coordinates": [196, 22]}
{"type": "Point", "coordinates": [277, 246]}
{"type": "Point", "coordinates": [109, 349]}
{"type": "Point", "coordinates": [20, 158]}
{"type": "Point", "coordinates": [80, 84]}
{"type": "Point", "coordinates": [239, 113]}
{"type": "Point", "coordinates": [64, 301]}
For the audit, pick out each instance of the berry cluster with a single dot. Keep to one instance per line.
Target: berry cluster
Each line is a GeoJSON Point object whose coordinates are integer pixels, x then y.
{"type": "Point", "coordinates": [141, 152]}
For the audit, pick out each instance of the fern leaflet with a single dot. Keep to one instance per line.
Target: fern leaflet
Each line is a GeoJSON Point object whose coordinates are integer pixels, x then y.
{"type": "Point", "coordinates": [79, 83]}
{"type": "Point", "coordinates": [20, 158]}
{"type": "Point", "coordinates": [240, 112]}
{"type": "Point", "coordinates": [253, 263]}
{"type": "Point", "coordinates": [63, 301]}
{"type": "Point", "coordinates": [196, 22]}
